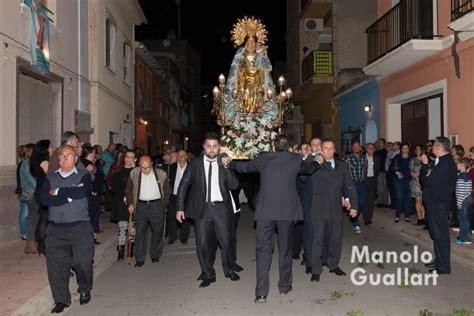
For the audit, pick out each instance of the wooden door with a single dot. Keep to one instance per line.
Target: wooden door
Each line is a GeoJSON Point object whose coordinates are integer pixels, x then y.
{"type": "Point", "coordinates": [415, 122]}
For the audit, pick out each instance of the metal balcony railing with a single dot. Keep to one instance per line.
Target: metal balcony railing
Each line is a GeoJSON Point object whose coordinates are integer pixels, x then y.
{"type": "Point", "coordinates": [317, 63]}
{"type": "Point", "coordinates": [460, 8]}
{"type": "Point", "coordinates": [407, 20]}
{"type": "Point", "coordinates": [303, 4]}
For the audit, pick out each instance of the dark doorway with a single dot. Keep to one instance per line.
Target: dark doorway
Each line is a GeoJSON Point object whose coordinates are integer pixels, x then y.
{"type": "Point", "coordinates": [420, 119]}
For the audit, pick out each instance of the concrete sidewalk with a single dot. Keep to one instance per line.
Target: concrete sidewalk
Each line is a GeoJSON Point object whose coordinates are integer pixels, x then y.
{"type": "Point", "coordinates": [25, 289]}
{"type": "Point", "coordinates": [384, 219]}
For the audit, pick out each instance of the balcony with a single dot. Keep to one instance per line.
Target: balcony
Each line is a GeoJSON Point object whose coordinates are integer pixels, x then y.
{"type": "Point", "coordinates": [318, 66]}
{"type": "Point", "coordinates": [315, 8]}
{"type": "Point", "coordinates": [403, 36]}
{"type": "Point", "coordinates": [460, 8]}
{"type": "Point", "coordinates": [462, 18]}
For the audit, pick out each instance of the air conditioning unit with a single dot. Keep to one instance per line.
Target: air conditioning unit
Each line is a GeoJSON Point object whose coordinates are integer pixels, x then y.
{"type": "Point", "coordinates": [314, 25]}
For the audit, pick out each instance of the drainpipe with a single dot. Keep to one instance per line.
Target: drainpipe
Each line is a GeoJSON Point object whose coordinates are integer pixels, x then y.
{"type": "Point", "coordinates": [334, 105]}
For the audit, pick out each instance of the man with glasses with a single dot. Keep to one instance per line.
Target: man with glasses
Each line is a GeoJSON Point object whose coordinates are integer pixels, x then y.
{"type": "Point", "coordinates": [70, 243]}
{"type": "Point", "coordinates": [439, 183]}
{"type": "Point", "coordinates": [147, 194]}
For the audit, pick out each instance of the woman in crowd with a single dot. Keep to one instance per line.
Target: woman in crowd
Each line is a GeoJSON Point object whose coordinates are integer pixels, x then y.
{"type": "Point", "coordinates": [415, 187]}
{"type": "Point", "coordinates": [28, 186]}
{"type": "Point", "coordinates": [88, 160]}
{"type": "Point", "coordinates": [39, 163]}
{"type": "Point", "coordinates": [457, 152]}
{"type": "Point", "coordinates": [120, 213]}
{"type": "Point", "coordinates": [23, 208]}
{"type": "Point", "coordinates": [400, 171]}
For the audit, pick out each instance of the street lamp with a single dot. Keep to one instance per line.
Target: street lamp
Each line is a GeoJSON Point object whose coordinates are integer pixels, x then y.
{"type": "Point", "coordinates": [284, 99]}
{"type": "Point", "coordinates": [218, 107]}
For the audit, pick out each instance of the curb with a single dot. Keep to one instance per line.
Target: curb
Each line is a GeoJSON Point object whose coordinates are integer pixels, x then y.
{"type": "Point", "coordinates": [43, 301]}
{"type": "Point", "coordinates": [460, 254]}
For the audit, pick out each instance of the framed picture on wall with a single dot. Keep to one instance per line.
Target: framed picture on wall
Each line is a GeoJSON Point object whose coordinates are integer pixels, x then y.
{"type": "Point", "coordinates": [454, 139]}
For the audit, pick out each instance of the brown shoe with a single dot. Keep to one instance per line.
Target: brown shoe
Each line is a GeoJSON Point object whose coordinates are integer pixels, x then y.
{"type": "Point", "coordinates": [30, 247]}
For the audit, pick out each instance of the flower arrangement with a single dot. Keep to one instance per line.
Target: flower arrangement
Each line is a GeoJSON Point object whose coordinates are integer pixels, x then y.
{"type": "Point", "coordinates": [250, 135]}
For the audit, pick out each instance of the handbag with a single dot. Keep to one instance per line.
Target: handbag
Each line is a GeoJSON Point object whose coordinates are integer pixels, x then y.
{"type": "Point", "coordinates": [26, 195]}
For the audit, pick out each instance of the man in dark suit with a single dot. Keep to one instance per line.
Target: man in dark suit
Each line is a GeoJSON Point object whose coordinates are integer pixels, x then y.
{"type": "Point", "coordinates": [204, 195]}
{"type": "Point", "coordinates": [278, 207]}
{"type": "Point", "coordinates": [328, 182]}
{"type": "Point", "coordinates": [373, 168]}
{"type": "Point", "coordinates": [175, 175]}
{"type": "Point", "coordinates": [439, 184]}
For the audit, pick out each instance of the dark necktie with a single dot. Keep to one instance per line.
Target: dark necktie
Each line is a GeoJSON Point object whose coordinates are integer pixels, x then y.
{"type": "Point", "coordinates": [209, 177]}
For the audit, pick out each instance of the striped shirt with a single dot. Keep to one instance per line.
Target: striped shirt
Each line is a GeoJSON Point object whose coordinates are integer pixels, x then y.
{"type": "Point", "coordinates": [463, 188]}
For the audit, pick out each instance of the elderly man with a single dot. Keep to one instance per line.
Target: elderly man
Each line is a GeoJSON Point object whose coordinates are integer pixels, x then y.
{"type": "Point", "coordinates": [70, 243]}
{"type": "Point", "coordinates": [439, 183]}
{"type": "Point", "coordinates": [175, 176]}
{"type": "Point", "coordinates": [147, 194]}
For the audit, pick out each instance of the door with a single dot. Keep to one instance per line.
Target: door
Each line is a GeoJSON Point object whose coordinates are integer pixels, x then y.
{"type": "Point", "coordinates": [34, 110]}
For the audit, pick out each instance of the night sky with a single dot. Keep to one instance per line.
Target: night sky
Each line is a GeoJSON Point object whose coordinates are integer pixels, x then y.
{"type": "Point", "coordinates": [207, 25]}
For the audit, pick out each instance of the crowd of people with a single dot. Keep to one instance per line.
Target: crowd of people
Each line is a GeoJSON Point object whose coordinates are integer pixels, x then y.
{"type": "Point", "coordinates": [299, 193]}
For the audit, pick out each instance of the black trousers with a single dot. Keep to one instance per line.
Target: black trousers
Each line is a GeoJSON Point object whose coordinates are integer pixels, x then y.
{"type": "Point", "coordinates": [233, 243]}
{"type": "Point", "coordinates": [40, 232]}
{"type": "Point", "coordinates": [370, 190]}
{"type": "Point", "coordinates": [391, 190]}
{"type": "Point", "coordinates": [69, 248]}
{"type": "Point", "coordinates": [438, 216]}
{"type": "Point", "coordinates": [266, 231]}
{"type": "Point", "coordinates": [153, 214]}
{"type": "Point", "coordinates": [298, 238]}
{"type": "Point", "coordinates": [216, 224]}
{"type": "Point", "coordinates": [331, 229]}
{"type": "Point", "coordinates": [173, 226]}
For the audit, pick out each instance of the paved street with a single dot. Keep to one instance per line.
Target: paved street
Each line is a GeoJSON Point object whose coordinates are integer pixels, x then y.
{"type": "Point", "coordinates": [170, 287]}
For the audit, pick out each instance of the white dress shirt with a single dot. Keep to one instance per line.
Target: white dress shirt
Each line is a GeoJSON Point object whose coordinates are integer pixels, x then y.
{"type": "Point", "coordinates": [179, 175]}
{"type": "Point", "coordinates": [216, 194]}
{"type": "Point", "coordinates": [332, 162]}
{"type": "Point", "coordinates": [370, 166]}
{"type": "Point", "coordinates": [149, 189]}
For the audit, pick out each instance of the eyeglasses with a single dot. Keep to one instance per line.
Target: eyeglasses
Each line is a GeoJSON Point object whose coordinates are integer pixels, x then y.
{"type": "Point", "coordinates": [68, 155]}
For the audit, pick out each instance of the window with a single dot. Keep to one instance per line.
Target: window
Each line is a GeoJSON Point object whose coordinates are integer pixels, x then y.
{"type": "Point", "coordinates": [127, 71]}
{"type": "Point", "coordinates": [110, 30]}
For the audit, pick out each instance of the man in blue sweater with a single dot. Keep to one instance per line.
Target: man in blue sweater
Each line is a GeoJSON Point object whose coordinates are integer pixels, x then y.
{"type": "Point", "coordinates": [69, 242]}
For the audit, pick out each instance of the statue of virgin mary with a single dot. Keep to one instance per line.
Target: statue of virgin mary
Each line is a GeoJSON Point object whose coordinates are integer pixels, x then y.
{"type": "Point", "coordinates": [250, 88]}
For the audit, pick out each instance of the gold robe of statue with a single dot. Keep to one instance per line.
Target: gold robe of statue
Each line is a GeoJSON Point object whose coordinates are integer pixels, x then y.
{"type": "Point", "coordinates": [250, 83]}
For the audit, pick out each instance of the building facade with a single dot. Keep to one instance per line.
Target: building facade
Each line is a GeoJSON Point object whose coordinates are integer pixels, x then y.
{"type": "Point", "coordinates": [359, 112]}
{"type": "Point", "coordinates": [181, 62]}
{"type": "Point", "coordinates": [111, 57]}
{"type": "Point", "coordinates": [36, 102]}
{"type": "Point", "coordinates": [53, 79]}
{"type": "Point", "coordinates": [152, 130]}
{"type": "Point", "coordinates": [326, 50]}
{"type": "Point", "coordinates": [426, 72]}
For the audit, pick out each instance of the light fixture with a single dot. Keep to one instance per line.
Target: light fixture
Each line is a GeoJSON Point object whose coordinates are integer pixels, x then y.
{"type": "Point", "coordinates": [142, 121]}
{"type": "Point", "coordinates": [281, 81]}
{"type": "Point", "coordinates": [221, 79]}
{"type": "Point", "coordinates": [367, 108]}
{"type": "Point", "coordinates": [186, 138]}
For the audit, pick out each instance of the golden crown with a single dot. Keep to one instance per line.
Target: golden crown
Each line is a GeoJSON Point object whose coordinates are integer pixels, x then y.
{"type": "Point", "coordinates": [248, 27]}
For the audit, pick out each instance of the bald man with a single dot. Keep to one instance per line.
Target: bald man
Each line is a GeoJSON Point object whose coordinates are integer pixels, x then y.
{"type": "Point", "coordinates": [147, 194]}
